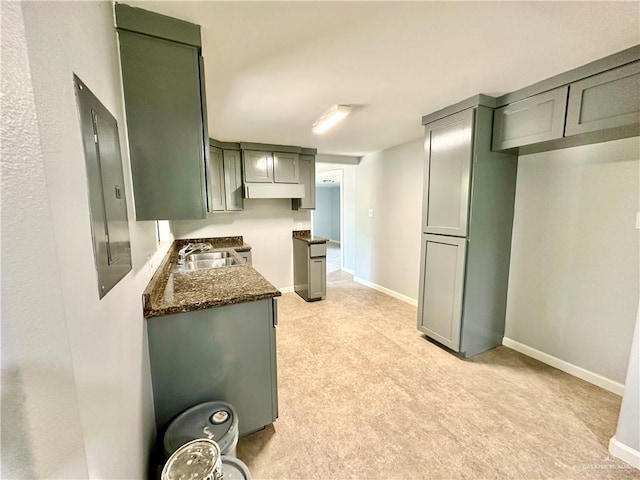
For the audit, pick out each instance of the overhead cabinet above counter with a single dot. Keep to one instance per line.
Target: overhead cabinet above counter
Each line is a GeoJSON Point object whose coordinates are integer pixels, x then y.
{"type": "Point", "coordinates": [272, 171]}
{"type": "Point", "coordinates": [178, 172]}
{"type": "Point", "coordinates": [595, 103]}
{"type": "Point", "coordinates": [163, 83]}
{"type": "Point", "coordinates": [224, 177]}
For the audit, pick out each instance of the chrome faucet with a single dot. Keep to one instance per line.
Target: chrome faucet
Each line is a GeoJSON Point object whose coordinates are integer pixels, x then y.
{"type": "Point", "coordinates": [191, 248]}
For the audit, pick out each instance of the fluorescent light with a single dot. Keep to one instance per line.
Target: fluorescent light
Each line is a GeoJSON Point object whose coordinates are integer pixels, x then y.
{"type": "Point", "coordinates": [329, 119]}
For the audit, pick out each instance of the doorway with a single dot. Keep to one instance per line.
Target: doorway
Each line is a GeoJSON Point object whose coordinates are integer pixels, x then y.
{"type": "Point", "coordinates": [327, 219]}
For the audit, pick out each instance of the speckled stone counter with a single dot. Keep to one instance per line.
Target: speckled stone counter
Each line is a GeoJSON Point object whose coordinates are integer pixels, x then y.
{"type": "Point", "coordinates": [175, 292]}
{"type": "Point", "coordinates": [305, 236]}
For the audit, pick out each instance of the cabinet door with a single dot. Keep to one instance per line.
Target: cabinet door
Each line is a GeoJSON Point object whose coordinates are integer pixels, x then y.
{"type": "Point", "coordinates": [532, 120]}
{"type": "Point", "coordinates": [233, 180]}
{"type": "Point", "coordinates": [608, 100]}
{"type": "Point", "coordinates": [441, 288]}
{"type": "Point", "coordinates": [317, 277]}
{"type": "Point", "coordinates": [258, 166]}
{"type": "Point", "coordinates": [161, 83]}
{"type": "Point", "coordinates": [216, 181]}
{"type": "Point", "coordinates": [307, 166]}
{"type": "Point", "coordinates": [449, 150]}
{"type": "Point", "coordinates": [286, 168]}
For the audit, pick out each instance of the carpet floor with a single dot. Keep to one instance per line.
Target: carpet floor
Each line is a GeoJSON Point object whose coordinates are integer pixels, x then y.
{"type": "Point", "coordinates": [362, 394]}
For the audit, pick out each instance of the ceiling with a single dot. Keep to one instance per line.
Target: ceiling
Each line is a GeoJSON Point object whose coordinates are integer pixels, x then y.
{"type": "Point", "coordinates": [273, 68]}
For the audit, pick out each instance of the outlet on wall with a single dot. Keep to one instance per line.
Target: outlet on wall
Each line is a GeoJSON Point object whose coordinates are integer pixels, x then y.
{"type": "Point", "coordinates": [298, 226]}
{"type": "Point", "coordinates": [150, 262]}
{"type": "Point", "coordinates": [371, 213]}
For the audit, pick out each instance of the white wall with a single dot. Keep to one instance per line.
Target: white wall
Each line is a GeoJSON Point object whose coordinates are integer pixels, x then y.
{"type": "Point", "coordinates": [626, 442]}
{"type": "Point", "coordinates": [38, 385]}
{"type": "Point", "coordinates": [389, 183]}
{"type": "Point", "coordinates": [326, 217]}
{"type": "Point", "coordinates": [265, 224]}
{"type": "Point", "coordinates": [573, 283]}
{"type": "Point", "coordinates": [105, 340]}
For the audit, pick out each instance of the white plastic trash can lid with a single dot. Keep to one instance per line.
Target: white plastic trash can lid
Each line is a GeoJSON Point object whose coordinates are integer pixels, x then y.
{"type": "Point", "coordinates": [234, 469]}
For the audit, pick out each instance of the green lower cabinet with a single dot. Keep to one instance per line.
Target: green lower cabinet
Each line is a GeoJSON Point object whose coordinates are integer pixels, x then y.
{"type": "Point", "coordinates": [310, 269]}
{"type": "Point", "coordinates": [226, 353]}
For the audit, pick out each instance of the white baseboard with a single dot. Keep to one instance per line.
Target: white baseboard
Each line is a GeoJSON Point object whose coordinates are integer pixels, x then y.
{"type": "Point", "coordinates": [624, 452]}
{"type": "Point", "coordinates": [576, 371]}
{"type": "Point", "coordinates": [389, 292]}
{"type": "Point", "coordinates": [286, 290]}
{"type": "Point", "coordinates": [348, 270]}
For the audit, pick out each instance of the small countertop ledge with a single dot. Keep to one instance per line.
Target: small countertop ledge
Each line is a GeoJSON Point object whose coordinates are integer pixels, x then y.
{"type": "Point", "coordinates": [305, 236]}
{"type": "Point", "coordinates": [171, 292]}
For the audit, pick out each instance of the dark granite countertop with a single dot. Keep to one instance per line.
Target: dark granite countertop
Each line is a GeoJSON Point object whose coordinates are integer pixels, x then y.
{"type": "Point", "coordinates": [305, 236]}
{"type": "Point", "coordinates": [175, 292]}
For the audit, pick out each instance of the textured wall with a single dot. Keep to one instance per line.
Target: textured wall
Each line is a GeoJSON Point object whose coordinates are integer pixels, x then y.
{"type": "Point", "coordinates": [265, 224]}
{"type": "Point", "coordinates": [106, 337]}
{"type": "Point", "coordinates": [389, 183]}
{"type": "Point", "coordinates": [573, 282]}
{"type": "Point", "coordinates": [39, 399]}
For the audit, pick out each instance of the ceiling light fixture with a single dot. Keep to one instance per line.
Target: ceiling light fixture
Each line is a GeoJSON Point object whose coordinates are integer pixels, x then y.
{"type": "Point", "coordinates": [330, 118]}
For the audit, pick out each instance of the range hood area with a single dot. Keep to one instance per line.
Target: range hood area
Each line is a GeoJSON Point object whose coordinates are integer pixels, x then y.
{"type": "Point", "coordinates": [274, 190]}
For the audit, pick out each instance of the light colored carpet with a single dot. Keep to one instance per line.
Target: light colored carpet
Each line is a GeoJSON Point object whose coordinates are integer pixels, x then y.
{"type": "Point", "coordinates": [333, 257]}
{"type": "Point", "coordinates": [362, 394]}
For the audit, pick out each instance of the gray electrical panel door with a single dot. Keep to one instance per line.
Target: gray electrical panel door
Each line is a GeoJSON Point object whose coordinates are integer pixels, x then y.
{"type": "Point", "coordinates": [532, 120]}
{"type": "Point", "coordinates": [605, 101]}
{"type": "Point", "coordinates": [258, 166]}
{"type": "Point", "coordinates": [164, 105]}
{"type": "Point", "coordinates": [286, 168]}
{"type": "Point", "coordinates": [105, 180]}
{"type": "Point", "coordinates": [441, 288]}
{"type": "Point", "coordinates": [448, 150]}
{"type": "Point", "coordinates": [216, 181]}
{"type": "Point", "coordinates": [233, 180]}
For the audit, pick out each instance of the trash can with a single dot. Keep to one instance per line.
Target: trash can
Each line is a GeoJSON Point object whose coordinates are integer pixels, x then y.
{"type": "Point", "coordinates": [215, 421]}
{"type": "Point", "coordinates": [201, 459]}
{"type": "Point", "coordinates": [234, 469]}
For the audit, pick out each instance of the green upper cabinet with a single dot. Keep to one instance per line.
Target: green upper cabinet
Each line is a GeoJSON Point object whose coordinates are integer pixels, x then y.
{"type": "Point", "coordinates": [308, 179]}
{"type": "Point", "coordinates": [535, 119]}
{"type": "Point", "coordinates": [594, 103]}
{"type": "Point", "coordinates": [258, 166]}
{"type": "Point", "coordinates": [607, 101]}
{"type": "Point", "coordinates": [162, 80]}
{"type": "Point", "coordinates": [286, 168]}
{"type": "Point", "coordinates": [224, 175]}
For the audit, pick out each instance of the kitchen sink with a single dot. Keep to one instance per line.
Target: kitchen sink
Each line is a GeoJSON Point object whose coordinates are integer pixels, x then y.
{"type": "Point", "coordinates": [203, 260]}
{"type": "Point", "coordinates": [209, 256]}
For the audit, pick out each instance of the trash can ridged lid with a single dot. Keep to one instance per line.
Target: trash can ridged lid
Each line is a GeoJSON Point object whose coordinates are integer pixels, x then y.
{"type": "Point", "coordinates": [196, 460]}
{"type": "Point", "coordinates": [234, 469]}
{"type": "Point", "coordinates": [216, 421]}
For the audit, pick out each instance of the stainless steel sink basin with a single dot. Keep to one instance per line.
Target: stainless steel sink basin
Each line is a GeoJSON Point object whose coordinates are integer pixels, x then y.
{"type": "Point", "coordinates": [208, 256]}
{"type": "Point", "coordinates": [202, 260]}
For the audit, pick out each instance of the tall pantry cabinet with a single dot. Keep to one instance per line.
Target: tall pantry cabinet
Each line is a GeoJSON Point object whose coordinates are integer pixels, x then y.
{"type": "Point", "coordinates": [466, 229]}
